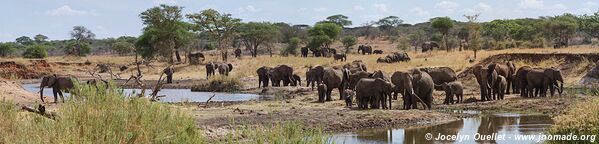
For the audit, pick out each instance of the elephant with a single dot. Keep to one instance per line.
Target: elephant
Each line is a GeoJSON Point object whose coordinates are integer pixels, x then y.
{"type": "Point", "coordinates": [304, 51]}
{"type": "Point", "coordinates": [210, 69]}
{"type": "Point", "coordinates": [506, 70]}
{"type": "Point", "coordinates": [415, 86]}
{"type": "Point", "coordinates": [349, 97]}
{"type": "Point", "coordinates": [539, 80]}
{"type": "Point", "coordinates": [440, 75]}
{"type": "Point", "coordinates": [355, 66]}
{"type": "Point", "coordinates": [341, 57]}
{"type": "Point", "coordinates": [123, 68]}
{"type": "Point", "coordinates": [103, 68]}
{"type": "Point", "coordinates": [379, 74]}
{"type": "Point", "coordinates": [500, 87]}
{"type": "Point", "coordinates": [314, 75]}
{"type": "Point", "coordinates": [263, 76]}
{"type": "Point", "coordinates": [322, 92]}
{"type": "Point", "coordinates": [394, 57]}
{"type": "Point", "coordinates": [377, 52]}
{"type": "Point", "coordinates": [366, 49]}
{"type": "Point", "coordinates": [316, 52]}
{"type": "Point", "coordinates": [520, 81]}
{"type": "Point", "coordinates": [58, 84]}
{"type": "Point", "coordinates": [297, 81]}
{"type": "Point", "coordinates": [169, 71]}
{"type": "Point", "coordinates": [429, 46]}
{"type": "Point", "coordinates": [452, 89]}
{"type": "Point", "coordinates": [374, 91]}
{"type": "Point", "coordinates": [383, 60]}
{"type": "Point", "coordinates": [237, 53]}
{"type": "Point", "coordinates": [485, 79]}
{"type": "Point", "coordinates": [335, 77]}
{"type": "Point", "coordinates": [224, 69]}
{"type": "Point", "coordinates": [281, 73]}
{"type": "Point", "coordinates": [194, 57]}
{"type": "Point", "coordinates": [355, 77]}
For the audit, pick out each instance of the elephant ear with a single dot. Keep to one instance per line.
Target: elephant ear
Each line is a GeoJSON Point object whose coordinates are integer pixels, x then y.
{"type": "Point", "coordinates": [230, 67]}
{"type": "Point", "coordinates": [52, 80]}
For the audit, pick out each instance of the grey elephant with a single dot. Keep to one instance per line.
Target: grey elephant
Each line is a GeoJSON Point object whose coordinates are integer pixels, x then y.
{"type": "Point", "coordinates": [452, 89]}
{"type": "Point", "coordinates": [348, 96]}
{"type": "Point", "coordinates": [210, 69]}
{"type": "Point", "coordinates": [374, 91]}
{"type": "Point", "coordinates": [237, 53]}
{"type": "Point", "coordinates": [506, 70]}
{"type": "Point", "coordinates": [380, 74]}
{"type": "Point", "coordinates": [341, 57]}
{"type": "Point", "coordinates": [335, 77]}
{"type": "Point", "coordinates": [281, 73]}
{"type": "Point", "coordinates": [485, 79]}
{"type": "Point", "coordinates": [501, 86]}
{"type": "Point", "coordinates": [169, 71]}
{"type": "Point", "coordinates": [520, 81]}
{"type": "Point", "coordinates": [314, 75]}
{"type": "Point", "coordinates": [355, 66]}
{"type": "Point", "coordinates": [225, 69]}
{"type": "Point", "coordinates": [297, 81]}
{"type": "Point", "coordinates": [304, 51]}
{"type": "Point", "coordinates": [429, 46]}
{"type": "Point", "coordinates": [415, 86]}
{"type": "Point", "coordinates": [322, 92]}
{"type": "Point", "coordinates": [263, 76]}
{"type": "Point", "coordinates": [440, 75]}
{"type": "Point", "coordinates": [58, 85]}
{"type": "Point", "coordinates": [377, 52]}
{"type": "Point", "coordinates": [539, 80]}
{"type": "Point", "coordinates": [355, 77]}
{"type": "Point", "coordinates": [366, 49]}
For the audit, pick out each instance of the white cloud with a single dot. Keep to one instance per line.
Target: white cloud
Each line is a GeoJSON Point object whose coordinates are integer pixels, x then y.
{"type": "Point", "coordinates": [381, 7]}
{"type": "Point", "coordinates": [540, 5]}
{"type": "Point", "coordinates": [419, 11]}
{"type": "Point", "coordinates": [483, 7]}
{"type": "Point", "coordinates": [165, 2]}
{"type": "Point", "coordinates": [66, 10]}
{"type": "Point", "coordinates": [590, 3]}
{"type": "Point", "coordinates": [248, 8]}
{"type": "Point", "coordinates": [358, 8]}
{"type": "Point", "coordinates": [447, 6]}
{"type": "Point", "coordinates": [320, 9]}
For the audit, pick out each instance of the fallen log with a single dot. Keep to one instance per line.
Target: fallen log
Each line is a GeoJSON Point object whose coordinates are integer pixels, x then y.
{"type": "Point", "coordinates": [41, 110]}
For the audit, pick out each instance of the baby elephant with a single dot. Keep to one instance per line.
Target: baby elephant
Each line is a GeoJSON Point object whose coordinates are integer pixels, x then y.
{"type": "Point", "coordinates": [297, 81]}
{"type": "Point", "coordinates": [453, 89]}
{"type": "Point", "coordinates": [322, 90]}
{"type": "Point", "coordinates": [501, 86]}
{"type": "Point", "coordinates": [348, 96]}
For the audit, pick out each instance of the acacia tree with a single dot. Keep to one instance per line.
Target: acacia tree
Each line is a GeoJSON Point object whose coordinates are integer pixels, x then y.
{"type": "Point", "coordinates": [24, 40]}
{"type": "Point", "coordinates": [589, 24]}
{"type": "Point", "coordinates": [474, 36]}
{"type": "Point", "coordinates": [39, 38]}
{"type": "Point", "coordinates": [561, 28]}
{"type": "Point", "coordinates": [416, 38]}
{"type": "Point", "coordinates": [81, 35]}
{"type": "Point", "coordinates": [339, 19]}
{"type": "Point", "coordinates": [221, 27]}
{"type": "Point", "coordinates": [253, 34]}
{"type": "Point", "coordinates": [164, 33]}
{"type": "Point", "coordinates": [323, 34]}
{"type": "Point", "coordinates": [387, 24]}
{"type": "Point", "coordinates": [348, 42]}
{"type": "Point", "coordinates": [443, 25]}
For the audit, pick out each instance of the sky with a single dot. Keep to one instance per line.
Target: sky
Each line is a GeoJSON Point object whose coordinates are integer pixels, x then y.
{"type": "Point", "coordinates": [114, 18]}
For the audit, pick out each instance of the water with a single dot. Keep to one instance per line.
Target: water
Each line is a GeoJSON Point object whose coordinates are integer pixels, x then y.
{"type": "Point", "coordinates": [172, 95]}
{"type": "Point", "coordinates": [508, 125]}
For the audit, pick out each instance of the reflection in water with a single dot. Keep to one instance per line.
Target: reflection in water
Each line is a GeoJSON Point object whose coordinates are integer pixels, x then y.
{"type": "Point", "coordinates": [500, 124]}
{"type": "Point", "coordinates": [172, 95]}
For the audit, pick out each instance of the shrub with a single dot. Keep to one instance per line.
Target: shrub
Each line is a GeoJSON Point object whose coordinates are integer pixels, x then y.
{"type": "Point", "coordinates": [123, 47]}
{"type": "Point", "coordinates": [72, 49]}
{"type": "Point", "coordinates": [292, 46]}
{"type": "Point", "coordinates": [287, 132]}
{"type": "Point", "coordinates": [100, 115]}
{"type": "Point", "coordinates": [36, 51]}
{"type": "Point", "coordinates": [580, 119]}
{"type": "Point", "coordinates": [218, 83]}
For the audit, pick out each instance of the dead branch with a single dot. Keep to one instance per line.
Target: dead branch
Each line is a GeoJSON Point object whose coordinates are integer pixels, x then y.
{"type": "Point", "coordinates": [208, 101]}
{"type": "Point", "coordinates": [41, 111]}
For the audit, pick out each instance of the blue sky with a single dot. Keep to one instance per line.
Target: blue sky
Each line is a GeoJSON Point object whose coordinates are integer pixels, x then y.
{"type": "Point", "coordinates": [113, 18]}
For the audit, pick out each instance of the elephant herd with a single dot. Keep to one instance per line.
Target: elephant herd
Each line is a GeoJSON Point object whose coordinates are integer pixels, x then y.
{"type": "Point", "coordinates": [222, 68]}
{"type": "Point", "coordinates": [394, 57]}
{"type": "Point", "coordinates": [276, 75]}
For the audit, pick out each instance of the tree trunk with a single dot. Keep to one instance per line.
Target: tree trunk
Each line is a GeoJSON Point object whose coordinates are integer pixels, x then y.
{"type": "Point", "coordinates": [255, 51]}
{"type": "Point", "coordinates": [446, 44]}
{"type": "Point", "coordinates": [177, 55]}
{"type": "Point", "coordinates": [475, 53]}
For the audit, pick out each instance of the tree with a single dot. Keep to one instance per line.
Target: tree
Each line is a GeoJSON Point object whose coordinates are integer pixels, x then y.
{"type": "Point", "coordinates": [123, 47]}
{"type": "Point", "coordinates": [72, 48]}
{"type": "Point", "coordinates": [220, 27]}
{"type": "Point", "coordinates": [348, 42]}
{"type": "Point", "coordinates": [443, 25]}
{"type": "Point", "coordinates": [253, 34]}
{"type": "Point", "coordinates": [589, 24]}
{"type": "Point", "coordinates": [164, 32]}
{"type": "Point", "coordinates": [24, 40]}
{"type": "Point", "coordinates": [36, 51]}
{"type": "Point", "coordinates": [323, 34]}
{"type": "Point", "coordinates": [292, 46]}
{"type": "Point", "coordinates": [339, 19]}
{"type": "Point", "coordinates": [474, 36]}
{"type": "Point", "coordinates": [81, 35]}
{"type": "Point", "coordinates": [7, 49]}
{"type": "Point", "coordinates": [416, 38]}
{"type": "Point", "coordinates": [387, 24]}
{"type": "Point", "coordinates": [561, 28]}
{"type": "Point", "coordinates": [39, 38]}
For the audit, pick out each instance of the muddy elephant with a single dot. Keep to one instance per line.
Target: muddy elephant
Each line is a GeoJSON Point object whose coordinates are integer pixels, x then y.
{"type": "Point", "coordinates": [322, 92]}
{"type": "Point", "coordinates": [341, 57]}
{"type": "Point", "coordinates": [263, 76]}
{"type": "Point", "coordinates": [485, 79]}
{"type": "Point", "coordinates": [296, 81]}
{"type": "Point", "coordinates": [281, 73]}
{"type": "Point", "coordinates": [377, 52]}
{"type": "Point", "coordinates": [501, 86]}
{"type": "Point", "coordinates": [210, 69]}
{"type": "Point", "coordinates": [314, 75]}
{"type": "Point", "coordinates": [335, 77]}
{"type": "Point", "coordinates": [237, 53]}
{"type": "Point", "coordinates": [429, 46]}
{"type": "Point", "coordinates": [355, 66]}
{"type": "Point", "coordinates": [520, 81]}
{"type": "Point", "coordinates": [169, 71]}
{"type": "Point", "coordinates": [58, 85]}
{"type": "Point", "coordinates": [373, 91]}
{"type": "Point", "coordinates": [440, 75]}
{"type": "Point", "coordinates": [415, 86]}
{"type": "Point", "coordinates": [366, 49]}
{"type": "Point", "coordinates": [304, 51]}
{"type": "Point", "coordinates": [506, 70]}
{"type": "Point", "coordinates": [380, 74]}
{"type": "Point", "coordinates": [195, 57]}
{"type": "Point", "coordinates": [383, 60]}
{"type": "Point", "coordinates": [225, 69]}
{"type": "Point", "coordinates": [348, 96]}
{"type": "Point", "coordinates": [355, 77]}
{"type": "Point", "coordinates": [316, 52]}
{"type": "Point", "coordinates": [453, 89]}
{"type": "Point", "coordinates": [539, 80]}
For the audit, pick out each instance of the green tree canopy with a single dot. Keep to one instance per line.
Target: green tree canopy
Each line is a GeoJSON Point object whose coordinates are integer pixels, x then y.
{"type": "Point", "coordinates": [589, 24]}
{"type": "Point", "coordinates": [561, 28]}
{"type": "Point", "coordinates": [339, 19]}
{"type": "Point", "coordinates": [219, 26]}
{"type": "Point", "coordinates": [348, 42]}
{"type": "Point", "coordinates": [39, 38]}
{"type": "Point", "coordinates": [7, 49]}
{"type": "Point", "coordinates": [323, 34]}
{"type": "Point", "coordinates": [24, 40]}
{"type": "Point", "coordinates": [123, 47]}
{"type": "Point", "coordinates": [443, 25]}
{"type": "Point", "coordinates": [36, 51]}
{"type": "Point", "coordinates": [253, 34]}
{"type": "Point", "coordinates": [164, 33]}
{"type": "Point", "coordinates": [82, 36]}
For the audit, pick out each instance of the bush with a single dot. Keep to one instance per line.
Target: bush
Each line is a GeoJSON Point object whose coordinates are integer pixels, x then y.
{"type": "Point", "coordinates": [287, 132]}
{"type": "Point", "coordinates": [123, 47]}
{"type": "Point", "coordinates": [7, 49]}
{"type": "Point", "coordinates": [292, 46]}
{"type": "Point", "coordinates": [100, 115]}
{"type": "Point", "coordinates": [71, 49]}
{"type": "Point", "coordinates": [36, 51]}
{"type": "Point", "coordinates": [218, 83]}
{"type": "Point", "coordinates": [580, 119]}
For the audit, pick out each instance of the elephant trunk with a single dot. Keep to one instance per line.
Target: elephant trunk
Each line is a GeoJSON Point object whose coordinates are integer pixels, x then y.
{"type": "Point", "coordinates": [42, 93]}
{"type": "Point", "coordinates": [418, 98]}
{"type": "Point", "coordinates": [560, 89]}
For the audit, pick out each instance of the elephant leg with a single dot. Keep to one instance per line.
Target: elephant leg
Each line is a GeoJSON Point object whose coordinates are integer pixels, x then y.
{"type": "Point", "coordinates": [509, 84]}
{"type": "Point", "coordinates": [383, 101]}
{"type": "Point", "coordinates": [328, 94]}
{"type": "Point", "coordinates": [61, 96]}
{"type": "Point", "coordinates": [55, 92]}
{"type": "Point", "coordinates": [340, 93]}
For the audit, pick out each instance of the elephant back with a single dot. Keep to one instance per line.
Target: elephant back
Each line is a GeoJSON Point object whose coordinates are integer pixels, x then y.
{"type": "Point", "coordinates": [332, 77]}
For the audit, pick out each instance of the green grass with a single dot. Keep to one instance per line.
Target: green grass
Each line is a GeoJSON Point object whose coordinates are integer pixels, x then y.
{"type": "Point", "coordinates": [281, 133]}
{"type": "Point", "coordinates": [100, 116]}
{"type": "Point", "coordinates": [581, 118]}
